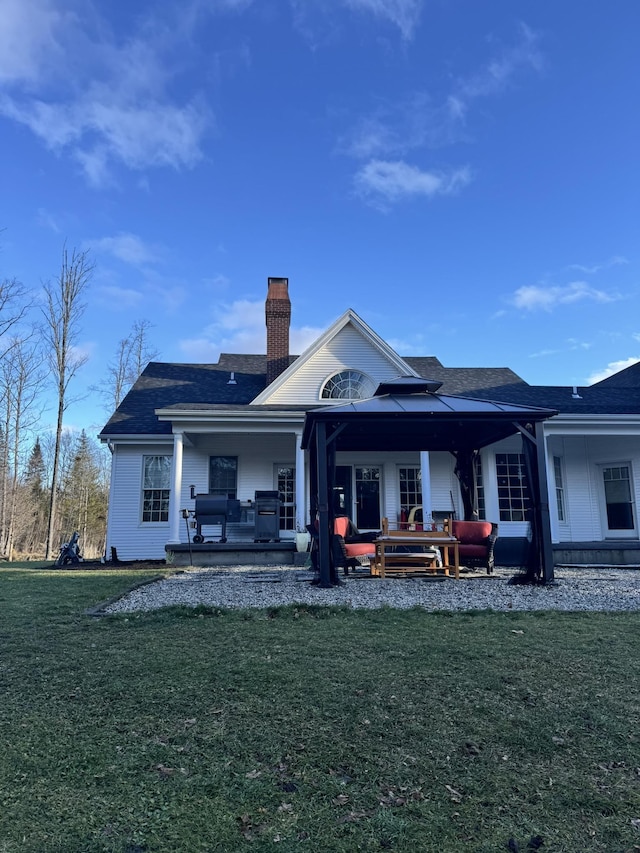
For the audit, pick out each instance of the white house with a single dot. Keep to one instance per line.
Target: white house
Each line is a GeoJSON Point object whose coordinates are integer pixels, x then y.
{"type": "Point", "coordinates": [235, 427]}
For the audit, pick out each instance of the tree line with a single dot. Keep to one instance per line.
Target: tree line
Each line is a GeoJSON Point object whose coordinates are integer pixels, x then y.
{"type": "Point", "coordinates": [52, 481]}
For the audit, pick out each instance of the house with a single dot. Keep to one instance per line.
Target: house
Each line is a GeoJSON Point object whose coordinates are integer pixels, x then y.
{"type": "Point", "coordinates": [234, 428]}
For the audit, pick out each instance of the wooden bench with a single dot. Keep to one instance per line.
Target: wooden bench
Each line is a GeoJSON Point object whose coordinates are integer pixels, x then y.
{"type": "Point", "coordinates": [428, 560]}
{"type": "Point", "coordinates": [408, 564]}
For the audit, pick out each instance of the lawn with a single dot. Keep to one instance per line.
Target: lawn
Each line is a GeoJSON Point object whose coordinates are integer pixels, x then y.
{"type": "Point", "coordinates": [311, 729]}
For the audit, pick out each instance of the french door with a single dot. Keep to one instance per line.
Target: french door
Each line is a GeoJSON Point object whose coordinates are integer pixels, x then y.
{"type": "Point", "coordinates": [363, 482]}
{"type": "Point", "coordinates": [618, 510]}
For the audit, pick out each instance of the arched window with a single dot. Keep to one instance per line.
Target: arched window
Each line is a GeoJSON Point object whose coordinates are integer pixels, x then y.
{"type": "Point", "coordinates": [347, 385]}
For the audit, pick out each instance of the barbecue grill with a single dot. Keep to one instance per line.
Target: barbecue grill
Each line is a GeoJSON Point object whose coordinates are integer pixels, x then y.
{"type": "Point", "coordinates": [214, 509]}
{"type": "Point", "coordinates": [267, 515]}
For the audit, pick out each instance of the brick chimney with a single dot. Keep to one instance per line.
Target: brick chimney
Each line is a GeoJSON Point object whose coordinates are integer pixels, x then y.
{"type": "Point", "coordinates": [277, 312]}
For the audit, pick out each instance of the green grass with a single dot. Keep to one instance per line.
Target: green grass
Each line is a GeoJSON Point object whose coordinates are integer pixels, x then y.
{"type": "Point", "coordinates": [310, 728]}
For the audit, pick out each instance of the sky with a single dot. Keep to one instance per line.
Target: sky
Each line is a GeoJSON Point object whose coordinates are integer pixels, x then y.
{"type": "Point", "coordinates": [462, 174]}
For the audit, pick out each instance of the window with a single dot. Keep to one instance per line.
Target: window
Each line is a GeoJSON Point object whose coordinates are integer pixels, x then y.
{"type": "Point", "coordinates": [223, 476]}
{"type": "Point", "coordinates": [513, 489]}
{"type": "Point", "coordinates": [286, 485]}
{"type": "Point", "coordinates": [557, 470]}
{"type": "Point", "coordinates": [619, 498]}
{"type": "Point", "coordinates": [410, 487]}
{"type": "Point", "coordinates": [156, 487]}
{"type": "Point", "coordinates": [348, 385]}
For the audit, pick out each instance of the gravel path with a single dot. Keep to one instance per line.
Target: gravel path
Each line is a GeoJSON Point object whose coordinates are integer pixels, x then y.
{"type": "Point", "coordinates": [576, 588]}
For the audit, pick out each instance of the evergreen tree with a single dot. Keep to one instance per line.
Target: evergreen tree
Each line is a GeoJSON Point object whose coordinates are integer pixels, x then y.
{"type": "Point", "coordinates": [35, 472]}
{"type": "Point", "coordinates": [83, 499]}
{"type": "Point", "coordinates": [34, 488]}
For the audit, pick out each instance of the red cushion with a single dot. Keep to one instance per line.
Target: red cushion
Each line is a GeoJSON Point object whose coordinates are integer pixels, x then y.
{"type": "Point", "coordinates": [471, 532]}
{"type": "Point", "coordinates": [341, 525]}
{"type": "Point", "coordinates": [472, 550]}
{"type": "Point", "coordinates": [355, 549]}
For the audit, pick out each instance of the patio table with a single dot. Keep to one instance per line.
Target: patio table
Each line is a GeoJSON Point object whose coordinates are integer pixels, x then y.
{"type": "Point", "coordinates": [386, 544]}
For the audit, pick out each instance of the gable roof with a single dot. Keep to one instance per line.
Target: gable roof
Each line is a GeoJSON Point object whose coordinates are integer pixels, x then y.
{"type": "Point", "coordinates": [348, 318]}
{"type": "Point", "coordinates": [627, 378]}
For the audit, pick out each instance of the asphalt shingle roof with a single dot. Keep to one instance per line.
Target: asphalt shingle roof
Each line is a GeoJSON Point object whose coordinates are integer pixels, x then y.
{"type": "Point", "coordinates": [207, 388]}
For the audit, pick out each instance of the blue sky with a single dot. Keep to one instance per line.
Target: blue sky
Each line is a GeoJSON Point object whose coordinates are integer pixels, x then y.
{"type": "Point", "coordinates": [464, 175]}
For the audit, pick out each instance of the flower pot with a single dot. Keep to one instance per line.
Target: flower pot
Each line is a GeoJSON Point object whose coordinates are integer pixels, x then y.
{"type": "Point", "coordinates": [302, 541]}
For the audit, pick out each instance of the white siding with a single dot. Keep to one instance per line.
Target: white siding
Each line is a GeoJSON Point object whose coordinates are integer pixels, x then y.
{"type": "Point", "coordinates": [257, 455]}
{"type": "Point", "coordinates": [444, 483]}
{"type": "Point", "coordinates": [348, 349]}
{"type": "Point", "coordinates": [582, 502]}
{"type": "Point", "coordinates": [131, 538]}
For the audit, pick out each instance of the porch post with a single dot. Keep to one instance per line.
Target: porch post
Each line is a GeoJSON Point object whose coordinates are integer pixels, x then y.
{"type": "Point", "coordinates": [545, 526]}
{"type": "Point", "coordinates": [301, 492]}
{"type": "Point", "coordinates": [551, 493]}
{"type": "Point", "coordinates": [176, 489]}
{"type": "Point", "coordinates": [425, 469]}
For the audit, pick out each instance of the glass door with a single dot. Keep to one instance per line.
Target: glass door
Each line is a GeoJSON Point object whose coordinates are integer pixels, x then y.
{"type": "Point", "coordinates": [342, 493]}
{"type": "Point", "coordinates": [367, 498]}
{"type": "Point", "coordinates": [619, 512]}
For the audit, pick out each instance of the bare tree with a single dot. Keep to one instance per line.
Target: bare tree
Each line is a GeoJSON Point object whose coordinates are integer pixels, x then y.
{"type": "Point", "coordinates": [22, 379]}
{"type": "Point", "coordinates": [62, 312]}
{"type": "Point", "coordinates": [132, 355]}
{"type": "Point", "coordinates": [14, 304]}
{"type": "Point", "coordinates": [141, 351]}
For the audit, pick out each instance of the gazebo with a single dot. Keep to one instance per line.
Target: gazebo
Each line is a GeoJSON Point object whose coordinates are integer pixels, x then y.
{"type": "Point", "coordinates": [408, 413]}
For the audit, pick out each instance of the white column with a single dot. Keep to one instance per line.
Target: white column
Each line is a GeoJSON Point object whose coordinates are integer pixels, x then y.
{"type": "Point", "coordinates": [301, 491]}
{"type": "Point", "coordinates": [176, 489]}
{"type": "Point", "coordinates": [551, 491]}
{"type": "Point", "coordinates": [425, 468]}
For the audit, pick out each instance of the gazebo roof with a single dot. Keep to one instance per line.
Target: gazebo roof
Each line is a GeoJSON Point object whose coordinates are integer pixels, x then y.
{"type": "Point", "coordinates": [408, 414]}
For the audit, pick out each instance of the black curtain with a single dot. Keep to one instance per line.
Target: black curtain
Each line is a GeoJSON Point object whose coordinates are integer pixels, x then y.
{"type": "Point", "coordinates": [466, 474]}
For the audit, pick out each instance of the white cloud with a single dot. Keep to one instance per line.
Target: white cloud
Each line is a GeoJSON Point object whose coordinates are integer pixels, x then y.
{"type": "Point", "coordinates": [47, 220]}
{"type": "Point", "coordinates": [128, 248]}
{"type": "Point", "coordinates": [398, 127]}
{"type": "Point", "coordinates": [119, 298]}
{"type": "Point", "coordinates": [28, 38]}
{"type": "Point", "coordinates": [312, 18]}
{"type": "Point", "coordinates": [535, 297]}
{"type": "Point", "coordinates": [404, 14]}
{"type": "Point", "coordinates": [543, 353]}
{"type": "Point", "coordinates": [498, 73]}
{"type": "Point", "coordinates": [611, 368]}
{"type": "Point", "coordinates": [102, 101]}
{"type": "Point", "coordinates": [575, 344]}
{"type": "Point", "coordinates": [616, 260]}
{"type": "Point", "coordinates": [240, 327]}
{"type": "Point", "coordinates": [382, 182]}
{"type": "Point", "coordinates": [418, 120]}
{"type": "Point", "coordinates": [217, 283]}
{"type": "Point", "coordinates": [300, 339]}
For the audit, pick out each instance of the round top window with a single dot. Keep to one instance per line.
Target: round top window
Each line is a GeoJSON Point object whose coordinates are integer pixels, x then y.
{"type": "Point", "coordinates": [347, 385]}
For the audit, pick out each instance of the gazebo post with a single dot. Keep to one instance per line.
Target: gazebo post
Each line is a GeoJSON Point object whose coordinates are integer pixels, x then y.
{"type": "Point", "coordinates": [324, 543]}
{"type": "Point", "coordinates": [541, 552]}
